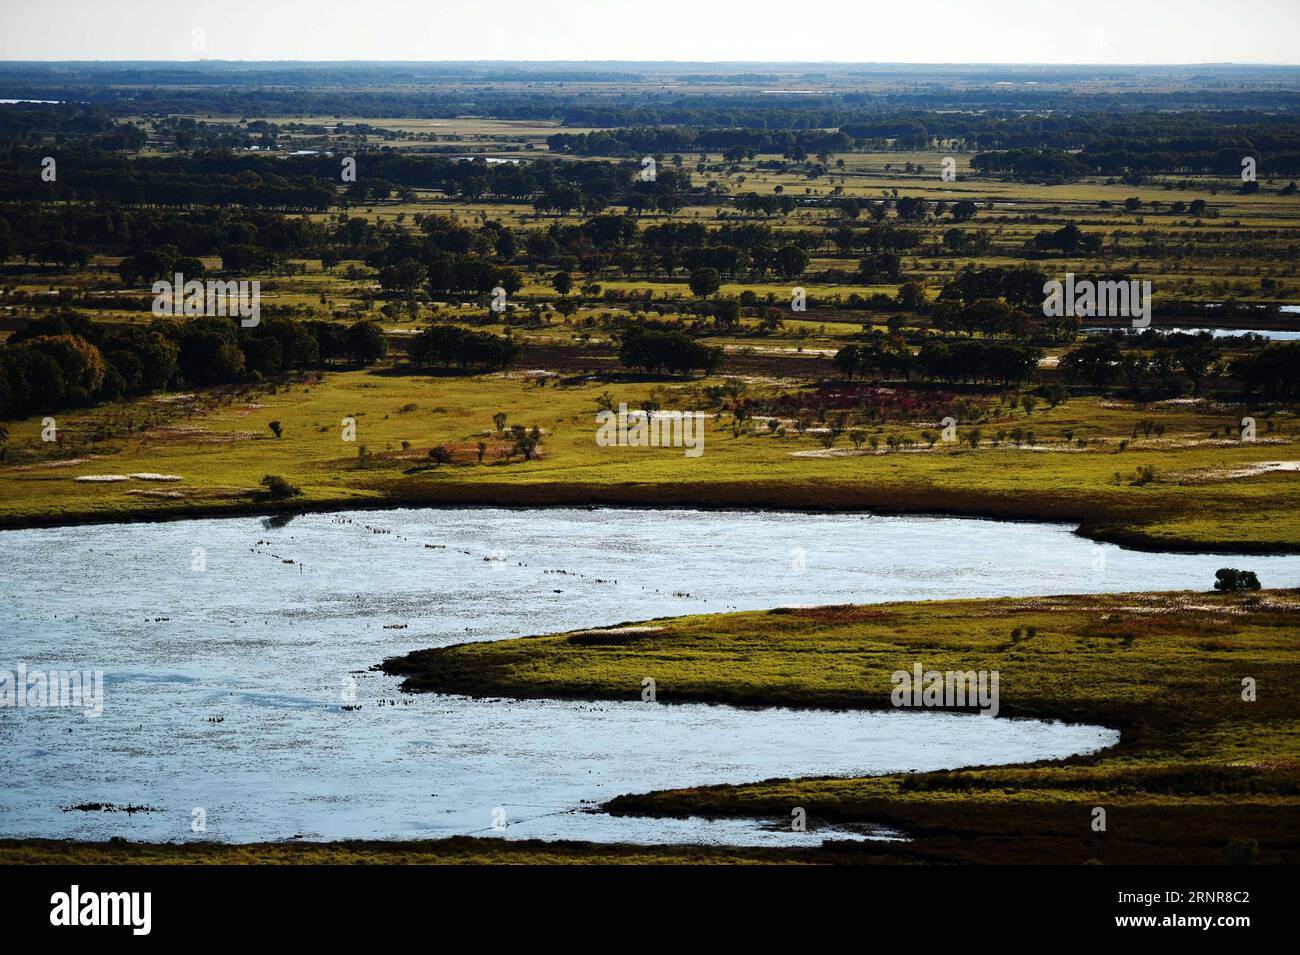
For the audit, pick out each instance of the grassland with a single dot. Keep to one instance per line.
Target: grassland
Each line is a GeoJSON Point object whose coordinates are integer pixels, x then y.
{"type": "Point", "coordinates": [1208, 492]}
{"type": "Point", "coordinates": [1200, 774]}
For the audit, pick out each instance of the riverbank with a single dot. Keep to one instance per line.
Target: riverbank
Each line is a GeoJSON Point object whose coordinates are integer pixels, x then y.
{"type": "Point", "coordinates": [764, 497]}
{"type": "Point", "coordinates": [1200, 775]}
{"type": "Point", "coordinates": [463, 850]}
{"type": "Point", "coordinates": [1079, 462]}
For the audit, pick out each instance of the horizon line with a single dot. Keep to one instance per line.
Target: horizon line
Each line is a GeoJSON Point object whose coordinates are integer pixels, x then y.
{"type": "Point", "coordinates": [558, 62]}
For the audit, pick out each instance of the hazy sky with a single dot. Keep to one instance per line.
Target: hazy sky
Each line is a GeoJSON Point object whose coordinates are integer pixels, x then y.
{"type": "Point", "coordinates": [919, 31]}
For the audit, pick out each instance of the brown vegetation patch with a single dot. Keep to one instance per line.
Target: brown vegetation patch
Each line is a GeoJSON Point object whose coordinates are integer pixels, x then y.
{"type": "Point", "coordinates": [842, 613]}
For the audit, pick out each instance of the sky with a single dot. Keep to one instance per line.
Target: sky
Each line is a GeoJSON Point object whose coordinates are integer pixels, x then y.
{"type": "Point", "coordinates": [854, 31]}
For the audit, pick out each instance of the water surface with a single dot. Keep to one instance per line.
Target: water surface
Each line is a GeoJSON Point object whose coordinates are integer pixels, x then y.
{"type": "Point", "coordinates": [227, 667]}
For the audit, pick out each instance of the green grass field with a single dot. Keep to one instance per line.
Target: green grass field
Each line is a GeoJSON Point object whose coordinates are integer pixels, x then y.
{"type": "Point", "coordinates": [1200, 775]}
{"type": "Point", "coordinates": [1208, 492]}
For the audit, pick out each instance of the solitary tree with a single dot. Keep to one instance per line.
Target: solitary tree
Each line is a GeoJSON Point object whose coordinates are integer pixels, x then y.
{"type": "Point", "coordinates": [277, 488]}
{"type": "Point", "coordinates": [1232, 580]}
{"type": "Point", "coordinates": [705, 282]}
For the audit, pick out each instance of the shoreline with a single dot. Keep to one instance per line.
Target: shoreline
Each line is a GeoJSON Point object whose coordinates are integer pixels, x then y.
{"type": "Point", "coordinates": [451, 850]}
{"type": "Point", "coordinates": [1166, 776]}
{"type": "Point", "coordinates": [659, 497]}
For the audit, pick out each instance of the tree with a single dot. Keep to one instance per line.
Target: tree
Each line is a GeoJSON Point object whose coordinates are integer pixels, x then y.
{"type": "Point", "coordinates": [673, 352]}
{"type": "Point", "coordinates": [1231, 580]}
{"type": "Point", "coordinates": [499, 421]}
{"type": "Point", "coordinates": [1093, 364]}
{"type": "Point", "coordinates": [791, 261]}
{"type": "Point", "coordinates": [243, 258]}
{"type": "Point", "coordinates": [439, 454]}
{"type": "Point", "coordinates": [562, 282]}
{"type": "Point", "coordinates": [276, 428]}
{"type": "Point", "coordinates": [726, 313]}
{"type": "Point", "coordinates": [911, 209]}
{"type": "Point", "coordinates": [365, 343]}
{"type": "Point", "coordinates": [81, 363]}
{"type": "Point", "coordinates": [963, 210]}
{"type": "Point", "coordinates": [277, 488]}
{"type": "Point", "coordinates": [1054, 393]}
{"type": "Point", "coordinates": [444, 344]}
{"type": "Point", "coordinates": [1195, 361]}
{"type": "Point", "coordinates": [705, 282]}
{"type": "Point", "coordinates": [878, 268]}
{"type": "Point", "coordinates": [403, 277]}
{"type": "Point", "coordinates": [911, 296]}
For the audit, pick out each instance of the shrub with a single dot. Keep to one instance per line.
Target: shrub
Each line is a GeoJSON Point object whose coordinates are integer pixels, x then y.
{"type": "Point", "coordinates": [1231, 580]}
{"type": "Point", "coordinates": [277, 488]}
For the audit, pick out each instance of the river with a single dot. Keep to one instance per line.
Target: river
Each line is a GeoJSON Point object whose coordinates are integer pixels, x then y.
{"type": "Point", "coordinates": [227, 668]}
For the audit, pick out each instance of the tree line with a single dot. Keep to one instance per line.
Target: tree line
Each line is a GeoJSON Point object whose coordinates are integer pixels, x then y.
{"type": "Point", "coordinates": [66, 360]}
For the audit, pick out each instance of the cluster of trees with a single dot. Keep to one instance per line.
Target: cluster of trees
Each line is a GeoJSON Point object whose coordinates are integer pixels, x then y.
{"type": "Point", "coordinates": [450, 344]}
{"type": "Point", "coordinates": [978, 361]}
{"type": "Point", "coordinates": [66, 360]}
{"type": "Point", "coordinates": [91, 126]}
{"type": "Point", "coordinates": [999, 302]}
{"type": "Point", "coordinates": [1186, 156]}
{"type": "Point", "coordinates": [311, 183]}
{"type": "Point", "coordinates": [1030, 164]}
{"type": "Point", "coordinates": [446, 258]}
{"type": "Point", "coordinates": [93, 175]}
{"type": "Point", "coordinates": [881, 356]}
{"type": "Point", "coordinates": [653, 351]}
{"type": "Point", "coordinates": [1020, 286]}
{"type": "Point", "coordinates": [1104, 362]}
{"type": "Point", "coordinates": [27, 230]}
{"type": "Point", "coordinates": [1069, 239]}
{"type": "Point", "coordinates": [1274, 370]}
{"type": "Point", "coordinates": [953, 362]}
{"type": "Point", "coordinates": [990, 317]}
{"type": "Point", "coordinates": [441, 255]}
{"type": "Point", "coordinates": [751, 203]}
